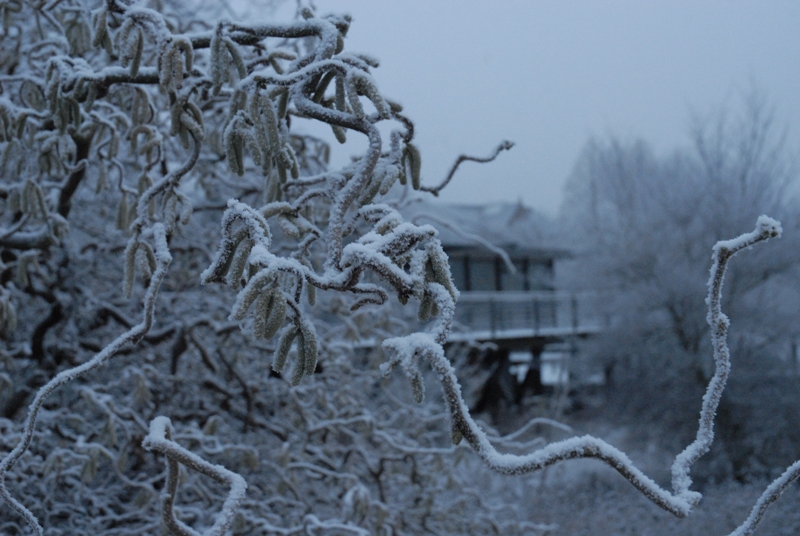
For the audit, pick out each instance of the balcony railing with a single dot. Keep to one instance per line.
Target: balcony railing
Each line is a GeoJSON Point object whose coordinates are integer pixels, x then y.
{"type": "Point", "coordinates": [511, 315]}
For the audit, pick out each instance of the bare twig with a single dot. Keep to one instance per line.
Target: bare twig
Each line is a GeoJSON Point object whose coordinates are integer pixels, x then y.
{"type": "Point", "coordinates": [504, 146]}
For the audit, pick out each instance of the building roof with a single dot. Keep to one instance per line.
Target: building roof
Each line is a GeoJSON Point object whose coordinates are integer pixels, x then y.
{"type": "Point", "coordinates": [514, 227]}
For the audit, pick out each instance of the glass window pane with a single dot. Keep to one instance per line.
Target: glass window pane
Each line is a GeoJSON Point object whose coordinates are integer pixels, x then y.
{"type": "Point", "coordinates": [540, 276]}
{"type": "Point", "coordinates": [458, 273]}
{"type": "Point", "coordinates": [509, 281]}
{"type": "Point", "coordinates": [482, 274]}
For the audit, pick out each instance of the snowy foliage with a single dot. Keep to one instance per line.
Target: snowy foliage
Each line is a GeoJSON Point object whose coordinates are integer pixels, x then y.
{"type": "Point", "coordinates": [175, 119]}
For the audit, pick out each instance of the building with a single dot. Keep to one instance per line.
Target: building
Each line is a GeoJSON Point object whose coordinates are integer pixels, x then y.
{"type": "Point", "coordinates": [504, 259]}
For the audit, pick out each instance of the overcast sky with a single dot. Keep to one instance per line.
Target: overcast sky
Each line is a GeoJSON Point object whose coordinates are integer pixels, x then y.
{"type": "Point", "coordinates": [548, 75]}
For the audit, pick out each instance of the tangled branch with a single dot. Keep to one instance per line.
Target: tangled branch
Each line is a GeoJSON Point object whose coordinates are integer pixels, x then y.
{"type": "Point", "coordinates": [681, 500]}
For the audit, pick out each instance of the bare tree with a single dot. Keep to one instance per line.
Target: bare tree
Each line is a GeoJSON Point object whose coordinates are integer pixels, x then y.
{"type": "Point", "coordinates": [643, 225]}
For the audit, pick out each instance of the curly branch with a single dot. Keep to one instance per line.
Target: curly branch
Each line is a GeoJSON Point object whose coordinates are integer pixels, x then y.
{"type": "Point", "coordinates": [681, 500]}
{"type": "Point", "coordinates": [160, 440]}
{"type": "Point", "coordinates": [132, 335]}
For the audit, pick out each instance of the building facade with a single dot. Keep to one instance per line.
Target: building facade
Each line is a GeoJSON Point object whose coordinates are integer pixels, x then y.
{"type": "Point", "coordinates": [504, 259]}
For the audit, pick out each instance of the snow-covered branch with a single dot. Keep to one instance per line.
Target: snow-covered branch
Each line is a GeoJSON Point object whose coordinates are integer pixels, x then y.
{"type": "Point", "coordinates": [162, 110]}
{"type": "Point", "coordinates": [160, 440]}
{"type": "Point", "coordinates": [409, 350]}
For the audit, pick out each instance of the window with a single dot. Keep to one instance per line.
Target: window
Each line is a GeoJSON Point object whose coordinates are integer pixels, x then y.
{"type": "Point", "coordinates": [482, 274]}
{"type": "Point", "coordinates": [509, 281]}
{"type": "Point", "coordinates": [540, 275]}
{"type": "Point", "coordinates": [458, 271]}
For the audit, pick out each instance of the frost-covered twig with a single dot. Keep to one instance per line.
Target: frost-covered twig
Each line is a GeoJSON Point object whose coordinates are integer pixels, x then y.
{"type": "Point", "coordinates": [497, 250]}
{"type": "Point", "coordinates": [770, 495]}
{"type": "Point", "coordinates": [766, 228]}
{"type": "Point", "coordinates": [424, 347]}
{"type": "Point", "coordinates": [73, 114]}
{"type": "Point", "coordinates": [410, 349]}
{"type": "Point", "coordinates": [163, 259]}
{"type": "Point", "coordinates": [160, 439]}
{"type": "Point", "coordinates": [504, 146]}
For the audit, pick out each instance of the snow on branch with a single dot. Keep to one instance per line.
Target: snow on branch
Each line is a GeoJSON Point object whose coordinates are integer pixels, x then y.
{"type": "Point", "coordinates": [160, 440]}
{"type": "Point", "coordinates": [408, 351]}
{"type": "Point", "coordinates": [163, 259]}
{"type": "Point", "coordinates": [766, 228]}
{"type": "Point", "coordinates": [144, 110]}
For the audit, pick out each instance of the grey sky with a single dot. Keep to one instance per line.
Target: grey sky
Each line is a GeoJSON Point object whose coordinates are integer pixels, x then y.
{"type": "Point", "coordinates": [547, 75]}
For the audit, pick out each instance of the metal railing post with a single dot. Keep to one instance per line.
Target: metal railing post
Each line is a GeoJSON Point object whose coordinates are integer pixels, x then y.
{"type": "Point", "coordinates": [574, 303]}
{"type": "Point", "coordinates": [492, 319]}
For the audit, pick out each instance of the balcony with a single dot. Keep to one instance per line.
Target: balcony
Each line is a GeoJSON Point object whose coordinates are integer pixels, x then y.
{"type": "Point", "coordinates": [549, 315]}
